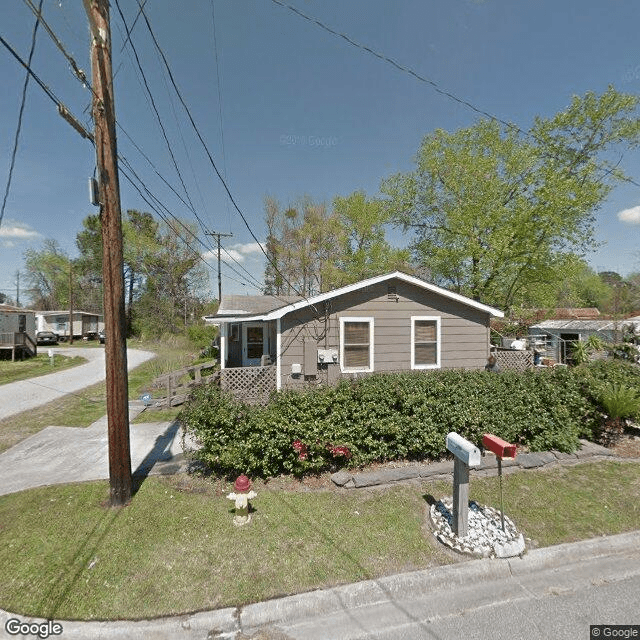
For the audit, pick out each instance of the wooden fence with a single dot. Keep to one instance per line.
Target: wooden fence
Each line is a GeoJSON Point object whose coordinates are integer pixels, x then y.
{"type": "Point", "coordinates": [176, 385]}
{"type": "Point", "coordinates": [516, 360]}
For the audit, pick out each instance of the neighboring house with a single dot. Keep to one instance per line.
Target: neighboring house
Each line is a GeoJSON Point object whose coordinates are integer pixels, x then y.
{"type": "Point", "coordinates": [17, 331]}
{"type": "Point", "coordinates": [394, 322]}
{"type": "Point", "coordinates": [555, 337]}
{"type": "Point", "coordinates": [84, 324]}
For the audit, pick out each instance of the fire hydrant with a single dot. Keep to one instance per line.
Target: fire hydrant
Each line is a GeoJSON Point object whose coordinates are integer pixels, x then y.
{"type": "Point", "coordinates": [242, 495]}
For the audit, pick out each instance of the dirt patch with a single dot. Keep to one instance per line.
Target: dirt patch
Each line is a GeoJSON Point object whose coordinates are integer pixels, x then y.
{"type": "Point", "coordinates": [629, 444]}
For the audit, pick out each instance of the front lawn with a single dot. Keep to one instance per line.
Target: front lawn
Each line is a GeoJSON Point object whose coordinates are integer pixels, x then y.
{"type": "Point", "coordinates": [174, 549]}
{"type": "Point", "coordinates": [39, 365]}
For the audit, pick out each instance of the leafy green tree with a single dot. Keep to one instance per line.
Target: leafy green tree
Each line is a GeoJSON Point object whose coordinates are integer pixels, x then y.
{"type": "Point", "coordinates": [301, 245]}
{"type": "Point", "coordinates": [313, 250]}
{"type": "Point", "coordinates": [173, 279]}
{"type": "Point", "coordinates": [494, 215]}
{"type": "Point", "coordinates": [363, 250]}
{"type": "Point", "coordinates": [47, 272]}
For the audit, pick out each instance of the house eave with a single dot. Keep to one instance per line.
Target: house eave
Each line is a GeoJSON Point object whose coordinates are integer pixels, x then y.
{"type": "Point", "coordinates": [279, 313]}
{"type": "Point", "coordinates": [317, 299]}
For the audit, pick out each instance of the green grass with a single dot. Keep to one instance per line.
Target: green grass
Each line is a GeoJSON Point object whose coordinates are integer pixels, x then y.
{"type": "Point", "coordinates": [174, 549]}
{"type": "Point", "coordinates": [39, 365]}
{"type": "Point", "coordinates": [82, 408]}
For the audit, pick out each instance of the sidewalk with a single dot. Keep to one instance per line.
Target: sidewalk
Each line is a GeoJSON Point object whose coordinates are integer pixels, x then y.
{"type": "Point", "coordinates": [58, 455]}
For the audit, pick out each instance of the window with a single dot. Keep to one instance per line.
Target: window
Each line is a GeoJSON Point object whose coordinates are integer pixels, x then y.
{"type": "Point", "coordinates": [356, 344]}
{"type": "Point", "coordinates": [425, 342]}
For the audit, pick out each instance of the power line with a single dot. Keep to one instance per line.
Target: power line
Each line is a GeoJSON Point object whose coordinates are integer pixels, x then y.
{"type": "Point", "coordinates": [421, 78]}
{"type": "Point", "coordinates": [398, 66]}
{"type": "Point", "coordinates": [79, 73]}
{"type": "Point", "coordinates": [60, 105]}
{"type": "Point", "coordinates": [224, 155]}
{"type": "Point", "coordinates": [210, 157]}
{"type": "Point", "coordinates": [20, 114]}
{"type": "Point", "coordinates": [146, 84]}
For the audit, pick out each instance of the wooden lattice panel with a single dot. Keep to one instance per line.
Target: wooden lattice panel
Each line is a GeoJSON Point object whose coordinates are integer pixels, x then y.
{"type": "Point", "coordinates": [249, 384]}
{"type": "Point", "coordinates": [517, 360]}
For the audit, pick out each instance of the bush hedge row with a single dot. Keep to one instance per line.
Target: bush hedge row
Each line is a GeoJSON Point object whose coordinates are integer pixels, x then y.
{"type": "Point", "coordinates": [398, 416]}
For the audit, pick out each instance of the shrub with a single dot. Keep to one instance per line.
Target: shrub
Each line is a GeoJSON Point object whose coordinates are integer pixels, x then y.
{"type": "Point", "coordinates": [620, 401]}
{"type": "Point", "coordinates": [400, 416]}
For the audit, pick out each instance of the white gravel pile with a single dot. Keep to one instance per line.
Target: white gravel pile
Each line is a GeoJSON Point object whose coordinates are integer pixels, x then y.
{"type": "Point", "coordinates": [485, 536]}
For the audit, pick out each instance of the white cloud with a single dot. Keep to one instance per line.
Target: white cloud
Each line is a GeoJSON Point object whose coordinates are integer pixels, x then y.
{"type": "Point", "coordinates": [18, 231]}
{"type": "Point", "coordinates": [250, 247]}
{"type": "Point", "coordinates": [237, 252]}
{"type": "Point", "coordinates": [232, 254]}
{"type": "Point", "coordinates": [632, 216]}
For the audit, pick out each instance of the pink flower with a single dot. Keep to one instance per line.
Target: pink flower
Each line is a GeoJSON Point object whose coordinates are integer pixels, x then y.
{"type": "Point", "coordinates": [340, 451]}
{"type": "Point", "coordinates": [301, 448]}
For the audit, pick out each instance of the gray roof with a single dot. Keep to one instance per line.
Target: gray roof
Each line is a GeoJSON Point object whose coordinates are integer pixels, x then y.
{"type": "Point", "coordinates": [238, 305]}
{"type": "Point", "coordinates": [582, 325]}
{"type": "Point", "coordinates": [66, 311]}
{"type": "Point", "coordinates": [281, 307]}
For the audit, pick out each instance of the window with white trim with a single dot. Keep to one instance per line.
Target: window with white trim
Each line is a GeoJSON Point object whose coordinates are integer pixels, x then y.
{"type": "Point", "coordinates": [425, 342]}
{"type": "Point", "coordinates": [356, 344]}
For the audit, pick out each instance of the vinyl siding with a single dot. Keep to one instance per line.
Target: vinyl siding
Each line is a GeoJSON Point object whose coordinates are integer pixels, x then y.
{"type": "Point", "coordinates": [464, 339]}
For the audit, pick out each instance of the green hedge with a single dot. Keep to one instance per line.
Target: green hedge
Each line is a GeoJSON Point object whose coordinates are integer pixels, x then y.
{"type": "Point", "coordinates": [398, 416]}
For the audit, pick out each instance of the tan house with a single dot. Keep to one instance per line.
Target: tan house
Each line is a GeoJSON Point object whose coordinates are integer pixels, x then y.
{"type": "Point", "coordinates": [84, 324]}
{"type": "Point", "coordinates": [393, 322]}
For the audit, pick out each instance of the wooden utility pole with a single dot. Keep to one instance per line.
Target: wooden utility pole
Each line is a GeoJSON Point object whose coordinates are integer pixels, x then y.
{"type": "Point", "coordinates": [70, 302]}
{"type": "Point", "coordinates": [224, 235]}
{"type": "Point", "coordinates": [112, 262]}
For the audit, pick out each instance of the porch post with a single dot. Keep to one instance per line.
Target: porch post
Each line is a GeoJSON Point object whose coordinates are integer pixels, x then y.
{"type": "Point", "coordinates": [223, 345]}
{"type": "Point", "coordinates": [278, 346]}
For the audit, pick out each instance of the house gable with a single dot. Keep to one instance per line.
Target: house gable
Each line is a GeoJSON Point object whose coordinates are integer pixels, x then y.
{"type": "Point", "coordinates": [390, 304]}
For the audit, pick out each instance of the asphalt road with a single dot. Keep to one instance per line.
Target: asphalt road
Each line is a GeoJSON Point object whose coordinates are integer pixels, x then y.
{"type": "Point", "coordinates": [16, 397]}
{"type": "Point", "coordinates": [559, 603]}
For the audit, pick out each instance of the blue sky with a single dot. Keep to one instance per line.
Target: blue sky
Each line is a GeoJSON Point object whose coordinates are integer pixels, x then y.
{"type": "Point", "coordinates": [303, 111]}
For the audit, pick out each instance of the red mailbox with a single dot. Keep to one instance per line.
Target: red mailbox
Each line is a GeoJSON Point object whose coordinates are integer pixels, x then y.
{"type": "Point", "coordinates": [498, 446]}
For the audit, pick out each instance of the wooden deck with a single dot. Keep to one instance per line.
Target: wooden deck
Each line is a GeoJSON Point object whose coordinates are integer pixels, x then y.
{"type": "Point", "coordinates": [20, 344]}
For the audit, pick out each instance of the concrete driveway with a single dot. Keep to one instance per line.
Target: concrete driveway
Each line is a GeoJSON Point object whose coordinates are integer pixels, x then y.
{"type": "Point", "coordinates": [16, 397]}
{"type": "Point", "coordinates": [69, 454]}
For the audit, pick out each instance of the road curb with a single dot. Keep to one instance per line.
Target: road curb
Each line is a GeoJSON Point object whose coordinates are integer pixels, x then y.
{"type": "Point", "coordinates": [225, 623]}
{"type": "Point", "coordinates": [417, 584]}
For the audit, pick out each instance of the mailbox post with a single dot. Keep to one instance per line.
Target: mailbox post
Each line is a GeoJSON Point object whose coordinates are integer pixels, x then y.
{"type": "Point", "coordinates": [466, 455]}
{"type": "Point", "coordinates": [503, 451]}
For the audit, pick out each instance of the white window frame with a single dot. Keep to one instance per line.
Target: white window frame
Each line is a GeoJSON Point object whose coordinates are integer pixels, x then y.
{"type": "Point", "coordinates": [371, 349]}
{"type": "Point", "coordinates": [435, 319]}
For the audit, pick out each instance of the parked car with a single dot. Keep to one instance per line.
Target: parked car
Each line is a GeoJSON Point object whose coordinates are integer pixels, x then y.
{"type": "Point", "coordinates": [102, 336]}
{"type": "Point", "coordinates": [46, 337]}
